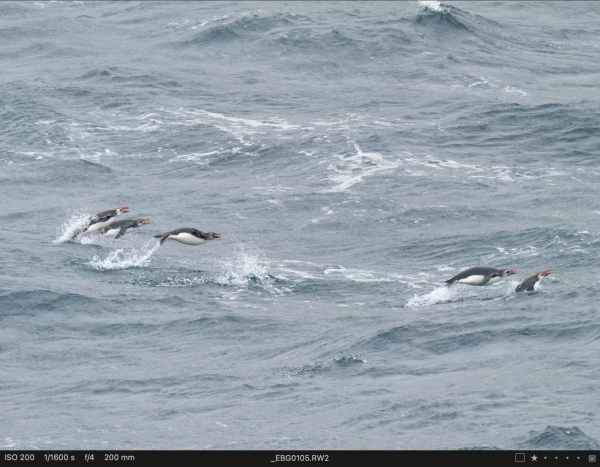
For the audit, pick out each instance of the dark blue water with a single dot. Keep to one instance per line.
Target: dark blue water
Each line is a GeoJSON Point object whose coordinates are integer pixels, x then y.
{"type": "Point", "coordinates": [353, 157]}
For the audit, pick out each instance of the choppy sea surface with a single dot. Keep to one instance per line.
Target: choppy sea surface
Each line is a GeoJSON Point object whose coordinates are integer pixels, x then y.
{"type": "Point", "coordinates": [353, 156]}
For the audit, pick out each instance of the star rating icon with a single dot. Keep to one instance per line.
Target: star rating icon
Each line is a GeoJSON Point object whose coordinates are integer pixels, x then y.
{"type": "Point", "coordinates": [534, 458]}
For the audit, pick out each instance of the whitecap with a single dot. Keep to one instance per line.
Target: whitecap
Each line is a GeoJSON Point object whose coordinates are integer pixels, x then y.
{"type": "Point", "coordinates": [433, 6]}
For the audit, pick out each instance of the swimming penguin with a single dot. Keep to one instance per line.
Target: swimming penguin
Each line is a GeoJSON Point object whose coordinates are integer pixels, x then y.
{"type": "Point", "coordinates": [120, 228]}
{"type": "Point", "coordinates": [101, 220]}
{"type": "Point", "coordinates": [480, 276]}
{"type": "Point", "coordinates": [532, 284]}
{"type": "Point", "coordinates": [188, 236]}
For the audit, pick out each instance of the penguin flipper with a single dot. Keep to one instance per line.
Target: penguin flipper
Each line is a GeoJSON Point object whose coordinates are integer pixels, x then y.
{"type": "Point", "coordinates": [95, 220]}
{"type": "Point", "coordinates": [121, 232]}
{"type": "Point", "coordinates": [487, 278]}
{"type": "Point", "coordinates": [528, 285]}
{"type": "Point", "coordinates": [525, 286]}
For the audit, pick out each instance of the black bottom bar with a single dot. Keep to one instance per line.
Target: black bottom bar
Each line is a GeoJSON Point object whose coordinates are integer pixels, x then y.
{"type": "Point", "coordinates": [463, 458]}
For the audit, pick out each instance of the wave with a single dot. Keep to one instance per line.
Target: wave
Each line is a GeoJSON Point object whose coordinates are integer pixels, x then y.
{"type": "Point", "coordinates": [312, 369]}
{"type": "Point", "coordinates": [29, 302]}
{"type": "Point", "coordinates": [552, 438]}
{"type": "Point", "coordinates": [433, 6]}
{"type": "Point", "coordinates": [441, 18]}
{"type": "Point", "coordinates": [555, 437]}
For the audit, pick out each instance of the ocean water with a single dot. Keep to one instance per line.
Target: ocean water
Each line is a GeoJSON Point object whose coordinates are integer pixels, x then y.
{"type": "Point", "coordinates": [353, 156]}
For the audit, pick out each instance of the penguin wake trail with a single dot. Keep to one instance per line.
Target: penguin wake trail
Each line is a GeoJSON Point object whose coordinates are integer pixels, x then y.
{"type": "Point", "coordinates": [444, 294]}
{"type": "Point", "coordinates": [436, 296]}
{"type": "Point", "coordinates": [240, 272]}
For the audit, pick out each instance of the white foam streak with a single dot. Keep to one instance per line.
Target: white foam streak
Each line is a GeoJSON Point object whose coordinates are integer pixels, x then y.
{"type": "Point", "coordinates": [335, 273]}
{"type": "Point", "coordinates": [510, 89]}
{"type": "Point", "coordinates": [124, 259]}
{"type": "Point", "coordinates": [200, 158]}
{"type": "Point", "coordinates": [280, 124]}
{"type": "Point", "coordinates": [352, 169]}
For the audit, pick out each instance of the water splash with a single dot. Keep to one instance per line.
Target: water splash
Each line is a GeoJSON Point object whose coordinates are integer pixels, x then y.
{"type": "Point", "coordinates": [248, 267]}
{"type": "Point", "coordinates": [124, 259]}
{"type": "Point", "coordinates": [71, 227]}
{"type": "Point", "coordinates": [439, 295]}
{"type": "Point", "coordinates": [458, 293]}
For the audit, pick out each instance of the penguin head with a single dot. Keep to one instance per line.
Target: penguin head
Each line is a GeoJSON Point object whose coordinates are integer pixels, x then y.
{"type": "Point", "coordinates": [141, 221]}
{"type": "Point", "coordinates": [123, 210]}
{"type": "Point", "coordinates": [508, 272]}
{"type": "Point", "coordinates": [545, 273]}
{"type": "Point", "coordinates": [211, 235]}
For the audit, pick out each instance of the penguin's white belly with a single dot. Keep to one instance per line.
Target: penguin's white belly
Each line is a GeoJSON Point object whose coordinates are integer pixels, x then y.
{"type": "Point", "coordinates": [112, 232]}
{"type": "Point", "coordinates": [493, 279]}
{"type": "Point", "coordinates": [536, 286]}
{"type": "Point", "coordinates": [116, 231]}
{"type": "Point", "coordinates": [99, 225]}
{"type": "Point", "coordinates": [188, 239]}
{"type": "Point", "coordinates": [472, 280]}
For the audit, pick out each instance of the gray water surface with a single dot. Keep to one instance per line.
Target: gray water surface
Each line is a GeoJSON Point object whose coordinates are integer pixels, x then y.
{"type": "Point", "coordinates": [353, 156]}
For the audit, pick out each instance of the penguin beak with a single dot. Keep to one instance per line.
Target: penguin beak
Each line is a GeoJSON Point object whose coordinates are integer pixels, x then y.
{"type": "Point", "coordinates": [512, 271]}
{"type": "Point", "coordinates": [217, 235]}
{"type": "Point", "coordinates": [546, 272]}
{"type": "Point", "coordinates": [145, 221]}
{"type": "Point", "coordinates": [124, 209]}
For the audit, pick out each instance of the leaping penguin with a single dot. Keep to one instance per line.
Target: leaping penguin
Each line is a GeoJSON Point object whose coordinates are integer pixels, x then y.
{"type": "Point", "coordinates": [101, 220]}
{"type": "Point", "coordinates": [120, 228]}
{"type": "Point", "coordinates": [188, 235]}
{"type": "Point", "coordinates": [532, 284]}
{"type": "Point", "coordinates": [480, 276]}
